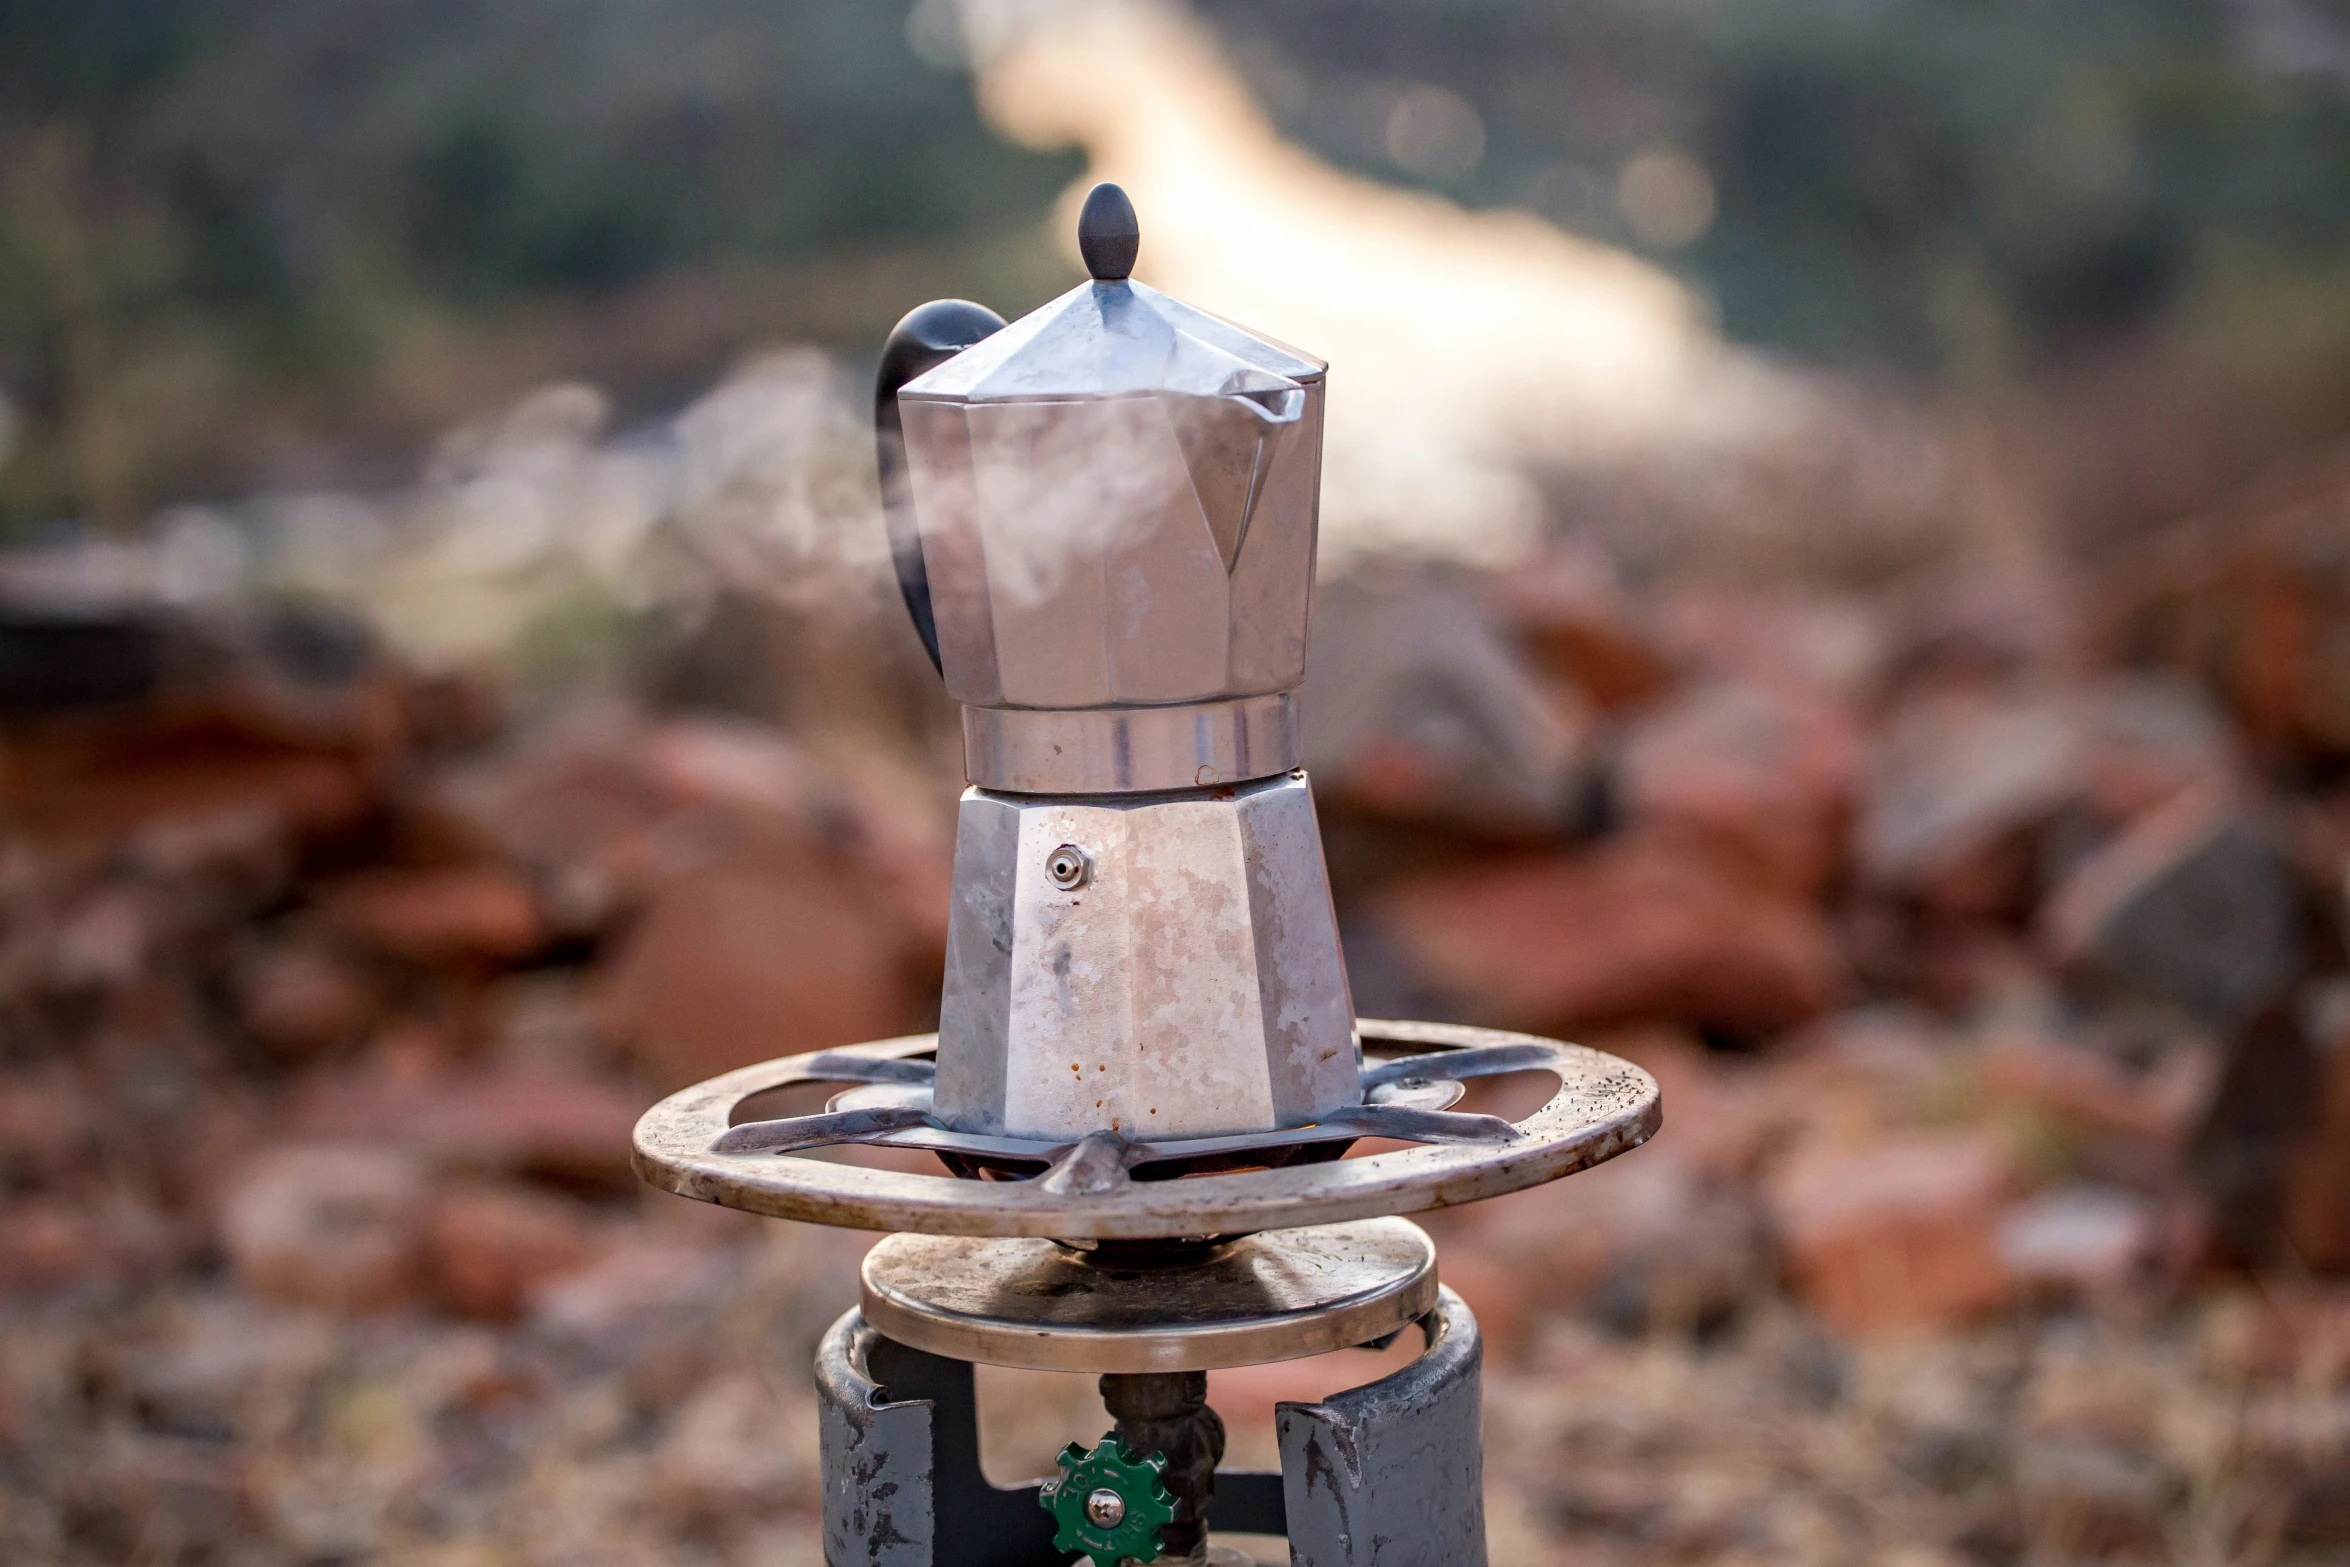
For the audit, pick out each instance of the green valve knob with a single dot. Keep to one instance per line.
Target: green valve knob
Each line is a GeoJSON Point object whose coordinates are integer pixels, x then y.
{"type": "Point", "coordinates": [1110, 1504]}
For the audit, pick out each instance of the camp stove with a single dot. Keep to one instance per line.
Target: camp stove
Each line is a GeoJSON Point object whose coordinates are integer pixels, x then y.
{"type": "Point", "coordinates": [1148, 1076]}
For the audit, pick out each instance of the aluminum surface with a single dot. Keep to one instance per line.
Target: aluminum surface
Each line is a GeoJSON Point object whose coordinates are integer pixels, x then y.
{"type": "Point", "coordinates": [1116, 497]}
{"type": "Point", "coordinates": [1115, 338]}
{"type": "Point", "coordinates": [1191, 986]}
{"type": "Point", "coordinates": [1281, 1295]}
{"type": "Point", "coordinates": [1126, 750]}
{"type": "Point", "coordinates": [1602, 1107]}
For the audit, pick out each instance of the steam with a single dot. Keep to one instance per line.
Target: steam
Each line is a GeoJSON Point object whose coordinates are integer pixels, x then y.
{"type": "Point", "coordinates": [1064, 487]}
{"type": "Point", "coordinates": [1472, 354]}
{"type": "Point", "coordinates": [543, 521]}
{"type": "Point", "coordinates": [776, 480]}
{"type": "Point", "coordinates": [1475, 358]}
{"type": "Point", "coordinates": [1464, 349]}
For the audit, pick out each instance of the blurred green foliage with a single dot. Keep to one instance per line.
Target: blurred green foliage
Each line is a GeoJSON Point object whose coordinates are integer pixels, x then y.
{"type": "Point", "coordinates": [236, 236]}
{"type": "Point", "coordinates": [1948, 186]}
{"type": "Point", "coordinates": [251, 194]}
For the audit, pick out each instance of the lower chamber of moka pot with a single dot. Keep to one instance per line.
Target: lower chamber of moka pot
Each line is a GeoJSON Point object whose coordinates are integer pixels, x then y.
{"type": "Point", "coordinates": [1150, 1263]}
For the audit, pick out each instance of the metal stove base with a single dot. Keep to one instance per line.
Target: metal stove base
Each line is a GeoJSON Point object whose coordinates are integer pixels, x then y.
{"type": "Point", "coordinates": [1389, 1474]}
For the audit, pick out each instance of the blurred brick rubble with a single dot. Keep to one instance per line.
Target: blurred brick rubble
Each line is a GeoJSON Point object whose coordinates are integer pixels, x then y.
{"type": "Point", "coordinates": [1985, 936]}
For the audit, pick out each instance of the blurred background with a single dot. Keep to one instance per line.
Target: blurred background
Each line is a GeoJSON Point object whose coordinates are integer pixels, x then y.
{"type": "Point", "coordinates": [1835, 585]}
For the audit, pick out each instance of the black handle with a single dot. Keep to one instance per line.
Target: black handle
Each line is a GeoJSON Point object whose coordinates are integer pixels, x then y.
{"type": "Point", "coordinates": [929, 336]}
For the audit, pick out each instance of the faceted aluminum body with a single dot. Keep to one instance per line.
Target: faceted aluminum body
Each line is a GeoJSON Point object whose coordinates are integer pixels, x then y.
{"type": "Point", "coordinates": [1191, 985]}
{"type": "Point", "coordinates": [1117, 499]}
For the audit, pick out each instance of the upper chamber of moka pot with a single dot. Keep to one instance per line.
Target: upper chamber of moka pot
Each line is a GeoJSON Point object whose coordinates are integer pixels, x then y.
{"type": "Point", "coordinates": [1116, 499]}
{"type": "Point", "coordinates": [1104, 516]}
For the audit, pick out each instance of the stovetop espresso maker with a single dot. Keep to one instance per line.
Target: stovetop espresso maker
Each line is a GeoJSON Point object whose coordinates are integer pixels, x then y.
{"type": "Point", "coordinates": [1148, 1091]}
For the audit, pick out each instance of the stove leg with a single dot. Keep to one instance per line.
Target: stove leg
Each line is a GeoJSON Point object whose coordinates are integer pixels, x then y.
{"type": "Point", "coordinates": [1392, 1473]}
{"type": "Point", "coordinates": [899, 1430]}
{"type": "Point", "coordinates": [1167, 1412]}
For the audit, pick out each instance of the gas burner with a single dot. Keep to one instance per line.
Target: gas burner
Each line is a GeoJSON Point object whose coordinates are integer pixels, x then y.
{"type": "Point", "coordinates": [691, 1144]}
{"type": "Point", "coordinates": [1113, 1307]}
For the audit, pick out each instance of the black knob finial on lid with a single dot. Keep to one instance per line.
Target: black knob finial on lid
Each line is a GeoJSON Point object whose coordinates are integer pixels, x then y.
{"type": "Point", "coordinates": [1107, 235]}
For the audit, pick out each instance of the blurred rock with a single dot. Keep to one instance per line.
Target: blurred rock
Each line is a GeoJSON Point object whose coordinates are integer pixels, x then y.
{"type": "Point", "coordinates": [48, 1128]}
{"type": "Point", "coordinates": [451, 709]}
{"type": "Point", "coordinates": [1635, 928]}
{"type": "Point", "coordinates": [556, 1125]}
{"type": "Point", "coordinates": [2091, 1242]}
{"type": "Point", "coordinates": [212, 1367]}
{"type": "Point", "coordinates": [143, 1493]}
{"type": "Point", "coordinates": [593, 807]}
{"type": "Point", "coordinates": [1728, 1113]}
{"type": "Point", "coordinates": [336, 1225]}
{"type": "Point", "coordinates": [1416, 708]}
{"type": "Point", "coordinates": [233, 861]}
{"type": "Point", "coordinates": [2319, 1511]}
{"type": "Point", "coordinates": [62, 659]}
{"type": "Point", "coordinates": [1651, 1247]}
{"type": "Point", "coordinates": [637, 1299]}
{"type": "Point", "coordinates": [604, 809]}
{"type": "Point", "coordinates": [2245, 600]}
{"type": "Point", "coordinates": [105, 941]}
{"type": "Point", "coordinates": [734, 964]}
{"type": "Point", "coordinates": [45, 1243]}
{"type": "Point", "coordinates": [2281, 1333]}
{"type": "Point", "coordinates": [490, 1248]}
{"type": "Point", "coordinates": [457, 915]}
{"type": "Point", "coordinates": [1667, 1239]}
{"type": "Point", "coordinates": [301, 997]}
{"type": "Point", "coordinates": [2093, 1499]}
{"type": "Point", "coordinates": [2194, 905]}
{"type": "Point", "coordinates": [2127, 1106]}
{"type": "Point", "coordinates": [2318, 1206]}
{"type": "Point", "coordinates": [308, 759]}
{"type": "Point", "coordinates": [1764, 774]}
{"type": "Point", "coordinates": [1837, 646]}
{"type": "Point", "coordinates": [1856, 1077]}
{"type": "Point", "coordinates": [1895, 1235]}
{"type": "Point", "coordinates": [1580, 626]}
{"type": "Point", "coordinates": [1497, 1289]}
{"type": "Point", "coordinates": [1971, 627]}
{"type": "Point", "coordinates": [2149, 739]}
{"type": "Point", "coordinates": [1979, 799]}
{"type": "Point", "coordinates": [737, 1452]}
{"type": "Point", "coordinates": [1958, 779]}
{"type": "Point", "coordinates": [2317, 1189]}
{"type": "Point", "coordinates": [2244, 1155]}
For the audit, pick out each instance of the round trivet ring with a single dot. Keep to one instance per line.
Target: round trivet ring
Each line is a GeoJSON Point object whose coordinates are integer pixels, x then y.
{"type": "Point", "coordinates": [1602, 1106]}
